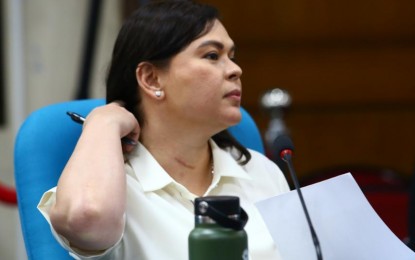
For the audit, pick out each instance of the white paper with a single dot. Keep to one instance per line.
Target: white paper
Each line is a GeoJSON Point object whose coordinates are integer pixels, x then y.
{"type": "Point", "coordinates": [347, 226]}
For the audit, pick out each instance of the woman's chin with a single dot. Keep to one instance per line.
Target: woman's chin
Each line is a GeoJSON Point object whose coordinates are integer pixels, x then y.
{"type": "Point", "coordinates": [235, 118]}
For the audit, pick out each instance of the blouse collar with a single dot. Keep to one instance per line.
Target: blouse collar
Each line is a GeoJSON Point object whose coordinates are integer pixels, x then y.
{"type": "Point", "coordinates": [153, 177]}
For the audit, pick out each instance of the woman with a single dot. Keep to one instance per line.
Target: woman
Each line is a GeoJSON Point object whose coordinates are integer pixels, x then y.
{"type": "Point", "coordinates": [174, 87]}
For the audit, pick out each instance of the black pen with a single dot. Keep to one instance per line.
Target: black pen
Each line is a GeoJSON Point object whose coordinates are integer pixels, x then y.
{"type": "Point", "coordinates": [80, 120]}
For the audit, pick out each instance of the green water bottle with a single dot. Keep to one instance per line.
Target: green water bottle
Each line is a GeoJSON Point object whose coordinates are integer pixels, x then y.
{"type": "Point", "coordinates": [219, 230]}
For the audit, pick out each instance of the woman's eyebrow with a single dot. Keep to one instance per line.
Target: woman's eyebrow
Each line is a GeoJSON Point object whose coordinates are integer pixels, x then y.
{"type": "Point", "coordinates": [214, 43]}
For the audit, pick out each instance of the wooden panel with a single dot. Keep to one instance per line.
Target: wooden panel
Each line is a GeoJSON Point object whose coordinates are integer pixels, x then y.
{"type": "Point", "coordinates": [317, 20]}
{"type": "Point", "coordinates": [378, 137]}
{"type": "Point", "coordinates": [349, 136]}
{"type": "Point", "coordinates": [324, 76]}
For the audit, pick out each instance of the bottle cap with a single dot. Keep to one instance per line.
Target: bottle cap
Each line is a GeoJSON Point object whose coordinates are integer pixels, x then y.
{"type": "Point", "coordinates": [228, 205]}
{"type": "Point", "coordinates": [224, 210]}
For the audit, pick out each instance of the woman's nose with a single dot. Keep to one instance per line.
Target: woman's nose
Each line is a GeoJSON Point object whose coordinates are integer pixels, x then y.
{"type": "Point", "coordinates": [234, 71]}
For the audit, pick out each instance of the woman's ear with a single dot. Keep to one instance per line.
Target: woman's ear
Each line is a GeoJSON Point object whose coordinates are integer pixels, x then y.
{"type": "Point", "coordinates": [148, 79]}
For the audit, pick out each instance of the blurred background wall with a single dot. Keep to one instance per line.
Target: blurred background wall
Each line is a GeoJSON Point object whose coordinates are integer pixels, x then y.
{"type": "Point", "coordinates": [52, 41]}
{"type": "Point", "coordinates": [348, 66]}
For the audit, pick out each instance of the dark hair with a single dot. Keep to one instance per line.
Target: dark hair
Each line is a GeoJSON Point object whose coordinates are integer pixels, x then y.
{"type": "Point", "coordinates": [155, 33]}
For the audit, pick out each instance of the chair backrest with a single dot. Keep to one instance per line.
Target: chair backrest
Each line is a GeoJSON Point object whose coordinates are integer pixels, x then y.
{"type": "Point", "coordinates": [44, 144]}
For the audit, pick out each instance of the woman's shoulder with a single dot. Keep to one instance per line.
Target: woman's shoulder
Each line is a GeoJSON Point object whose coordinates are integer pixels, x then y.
{"type": "Point", "coordinates": [260, 159]}
{"type": "Point", "coordinates": [266, 173]}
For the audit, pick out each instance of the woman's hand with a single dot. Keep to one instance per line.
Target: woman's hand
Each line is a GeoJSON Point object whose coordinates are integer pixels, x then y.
{"type": "Point", "coordinates": [114, 115]}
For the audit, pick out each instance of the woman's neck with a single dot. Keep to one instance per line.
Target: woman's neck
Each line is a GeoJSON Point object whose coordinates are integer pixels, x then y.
{"type": "Point", "coordinates": [188, 160]}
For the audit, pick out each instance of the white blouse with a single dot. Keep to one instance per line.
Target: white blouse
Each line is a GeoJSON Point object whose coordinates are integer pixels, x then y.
{"type": "Point", "coordinates": [159, 215]}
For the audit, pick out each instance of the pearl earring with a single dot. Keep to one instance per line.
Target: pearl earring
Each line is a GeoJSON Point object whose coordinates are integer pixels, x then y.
{"type": "Point", "coordinates": [158, 93]}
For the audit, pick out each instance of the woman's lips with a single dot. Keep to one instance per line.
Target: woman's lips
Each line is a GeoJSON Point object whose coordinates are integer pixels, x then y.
{"type": "Point", "coordinates": [234, 94]}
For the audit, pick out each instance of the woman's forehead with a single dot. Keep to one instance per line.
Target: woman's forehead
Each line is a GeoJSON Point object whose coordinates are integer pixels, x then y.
{"type": "Point", "coordinates": [217, 36]}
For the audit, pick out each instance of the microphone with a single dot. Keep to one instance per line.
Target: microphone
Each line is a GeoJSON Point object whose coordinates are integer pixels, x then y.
{"type": "Point", "coordinates": [285, 147]}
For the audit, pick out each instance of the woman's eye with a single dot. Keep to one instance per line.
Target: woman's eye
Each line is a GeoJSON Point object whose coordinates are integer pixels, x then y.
{"type": "Point", "coordinates": [212, 56]}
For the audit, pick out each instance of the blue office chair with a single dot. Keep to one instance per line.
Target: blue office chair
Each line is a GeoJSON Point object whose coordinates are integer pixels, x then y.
{"type": "Point", "coordinates": [44, 144]}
